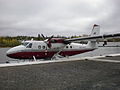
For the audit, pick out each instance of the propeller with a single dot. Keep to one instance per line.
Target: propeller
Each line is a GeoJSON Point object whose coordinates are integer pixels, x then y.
{"type": "Point", "coordinates": [47, 41]}
{"type": "Point", "coordinates": [41, 36]}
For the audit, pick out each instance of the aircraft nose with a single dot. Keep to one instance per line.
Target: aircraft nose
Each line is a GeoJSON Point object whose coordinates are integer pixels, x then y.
{"type": "Point", "coordinates": [11, 52]}
{"type": "Point", "coordinates": [8, 52]}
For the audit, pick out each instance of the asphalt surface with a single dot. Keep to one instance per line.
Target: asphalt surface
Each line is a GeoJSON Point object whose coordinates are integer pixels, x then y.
{"type": "Point", "coordinates": [74, 75]}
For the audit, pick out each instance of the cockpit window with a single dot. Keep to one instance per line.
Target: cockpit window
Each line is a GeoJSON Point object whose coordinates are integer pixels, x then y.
{"type": "Point", "coordinates": [25, 43]}
{"type": "Point", "coordinates": [29, 45]}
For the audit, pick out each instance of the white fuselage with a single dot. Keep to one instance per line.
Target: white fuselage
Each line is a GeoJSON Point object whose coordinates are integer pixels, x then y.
{"type": "Point", "coordinates": [39, 49]}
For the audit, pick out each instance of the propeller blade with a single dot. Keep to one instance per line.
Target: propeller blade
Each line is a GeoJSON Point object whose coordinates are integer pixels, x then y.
{"type": "Point", "coordinates": [48, 42]}
{"type": "Point", "coordinates": [43, 36]}
{"type": "Point", "coordinates": [38, 35]}
{"type": "Point", "coordinates": [50, 38]}
{"type": "Point", "coordinates": [49, 45]}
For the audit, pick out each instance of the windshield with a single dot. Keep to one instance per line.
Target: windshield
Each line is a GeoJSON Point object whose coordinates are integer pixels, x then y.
{"type": "Point", "coordinates": [24, 43]}
{"type": "Point", "coordinates": [29, 45]}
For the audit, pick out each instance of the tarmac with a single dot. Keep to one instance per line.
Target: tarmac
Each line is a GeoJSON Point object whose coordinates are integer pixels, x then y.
{"type": "Point", "coordinates": [89, 73]}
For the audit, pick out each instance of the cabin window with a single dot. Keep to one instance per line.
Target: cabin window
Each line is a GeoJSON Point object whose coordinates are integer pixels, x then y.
{"type": "Point", "coordinates": [66, 46]}
{"type": "Point", "coordinates": [29, 45]}
{"type": "Point", "coordinates": [70, 46]}
{"type": "Point", "coordinates": [43, 47]}
{"type": "Point", "coordinates": [39, 46]}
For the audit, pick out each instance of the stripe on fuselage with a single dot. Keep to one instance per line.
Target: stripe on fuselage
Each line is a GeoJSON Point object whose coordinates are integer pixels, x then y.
{"type": "Point", "coordinates": [45, 54]}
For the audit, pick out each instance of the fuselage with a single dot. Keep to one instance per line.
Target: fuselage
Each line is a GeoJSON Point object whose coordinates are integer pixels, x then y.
{"type": "Point", "coordinates": [40, 50]}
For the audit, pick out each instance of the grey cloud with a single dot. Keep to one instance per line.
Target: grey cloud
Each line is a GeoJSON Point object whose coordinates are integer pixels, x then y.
{"type": "Point", "coordinates": [65, 17]}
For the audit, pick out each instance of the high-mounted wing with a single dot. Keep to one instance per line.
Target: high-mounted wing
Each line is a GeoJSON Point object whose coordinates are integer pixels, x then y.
{"type": "Point", "coordinates": [94, 35]}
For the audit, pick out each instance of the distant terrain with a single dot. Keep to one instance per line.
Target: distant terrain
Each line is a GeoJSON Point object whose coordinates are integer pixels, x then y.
{"type": "Point", "coordinates": [8, 41]}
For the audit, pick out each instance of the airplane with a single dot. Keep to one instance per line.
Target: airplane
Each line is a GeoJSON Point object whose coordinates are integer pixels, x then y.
{"type": "Point", "coordinates": [54, 48]}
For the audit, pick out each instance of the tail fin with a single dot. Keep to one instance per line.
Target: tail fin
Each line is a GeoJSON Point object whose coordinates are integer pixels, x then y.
{"type": "Point", "coordinates": [95, 32]}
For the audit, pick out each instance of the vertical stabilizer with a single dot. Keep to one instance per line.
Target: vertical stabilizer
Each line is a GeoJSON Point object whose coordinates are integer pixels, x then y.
{"type": "Point", "coordinates": [95, 32]}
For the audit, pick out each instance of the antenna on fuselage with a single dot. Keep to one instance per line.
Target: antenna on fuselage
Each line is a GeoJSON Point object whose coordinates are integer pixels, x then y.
{"type": "Point", "coordinates": [31, 39]}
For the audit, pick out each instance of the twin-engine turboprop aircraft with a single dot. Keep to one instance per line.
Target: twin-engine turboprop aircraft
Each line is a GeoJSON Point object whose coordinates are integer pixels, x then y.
{"type": "Point", "coordinates": [53, 48]}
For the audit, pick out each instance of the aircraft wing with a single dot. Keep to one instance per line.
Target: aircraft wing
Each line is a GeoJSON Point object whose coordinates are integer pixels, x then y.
{"type": "Point", "coordinates": [99, 37]}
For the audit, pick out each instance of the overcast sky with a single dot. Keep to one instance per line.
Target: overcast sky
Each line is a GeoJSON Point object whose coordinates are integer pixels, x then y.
{"type": "Point", "coordinates": [58, 17]}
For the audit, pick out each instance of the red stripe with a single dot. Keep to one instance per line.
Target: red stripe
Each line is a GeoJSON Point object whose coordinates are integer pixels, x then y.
{"type": "Point", "coordinates": [43, 55]}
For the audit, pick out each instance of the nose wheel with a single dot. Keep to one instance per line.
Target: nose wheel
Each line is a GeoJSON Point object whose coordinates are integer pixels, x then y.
{"type": "Point", "coordinates": [7, 62]}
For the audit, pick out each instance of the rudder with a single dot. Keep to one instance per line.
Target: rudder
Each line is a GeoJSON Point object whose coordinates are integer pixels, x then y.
{"type": "Point", "coordinates": [95, 30]}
